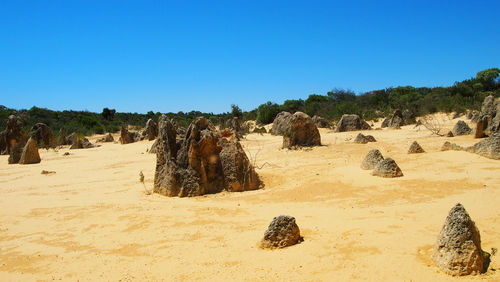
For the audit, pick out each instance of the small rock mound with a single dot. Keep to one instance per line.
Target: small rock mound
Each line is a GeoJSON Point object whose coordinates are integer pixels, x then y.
{"type": "Point", "coordinates": [394, 120]}
{"type": "Point", "coordinates": [458, 248]}
{"type": "Point", "coordinates": [372, 159]}
{"type": "Point", "coordinates": [363, 139]}
{"type": "Point", "coordinates": [281, 123]}
{"type": "Point", "coordinates": [78, 142]}
{"type": "Point", "coordinates": [320, 122]}
{"type": "Point", "coordinates": [387, 168]}
{"type": "Point", "coordinates": [351, 123]}
{"type": "Point", "coordinates": [415, 148]}
{"type": "Point", "coordinates": [301, 132]}
{"type": "Point", "coordinates": [461, 128]}
{"type": "Point", "coordinates": [151, 130]}
{"type": "Point", "coordinates": [281, 233]}
{"type": "Point", "coordinates": [107, 138]}
{"type": "Point", "coordinates": [43, 136]}
{"type": "Point", "coordinates": [127, 137]}
{"type": "Point", "coordinates": [451, 146]}
{"type": "Point", "coordinates": [449, 134]}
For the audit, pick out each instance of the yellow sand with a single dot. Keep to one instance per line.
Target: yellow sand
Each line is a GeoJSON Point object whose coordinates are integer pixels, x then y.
{"type": "Point", "coordinates": [91, 220]}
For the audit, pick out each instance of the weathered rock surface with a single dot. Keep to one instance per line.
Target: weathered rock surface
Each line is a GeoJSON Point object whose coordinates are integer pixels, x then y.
{"type": "Point", "coordinates": [489, 115]}
{"type": "Point", "coordinates": [461, 128]}
{"type": "Point", "coordinates": [363, 139]}
{"type": "Point", "coordinates": [127, 137]}
{"type": "Point", "coordinates": [394, 120]}
{"type": "Point", "coordinates": [387, 168]}
{"type": "Point", "coordinates": [458, 248]}
{"type": "Point", "coordinates": [12, 134]}
{"type": "Point", "coordinates": [15, 153]}
{"type": "Point", "coordinates": [281, 123]}
{"type": "Point", "coordinates": [372, 159]}
{"type": "Point", "coordinates": [239, 174]}
{"type": "Point", "coordinates": [320, 122]}
{"type": "Point", "coordinates": [481, 127]}
{"type": "Point", "coordinates": [488, 147]}
{"type": "Point", "coordinates": [43, 136]}
{"type": "Point", "coordinates": [154, 147]}
{"type": "Point", "coordinates": [78, 142]}
{"type": "Point", "coordinates": [282, 232]}
{"type": "Point", "coordinates": [302, 132]}
{"type": "Point", "coordinates": [351, 123]}
{"type": "Point", "coordinates": [151, 130]}
{"type": "Point", "coordinates": [415, 148]}
{"type": "Point", "coordinates": [30, 153]}
{"type": "Point", "coordinates": [200, 162]}
{"type": "Point", "coordinates": [107, 138]}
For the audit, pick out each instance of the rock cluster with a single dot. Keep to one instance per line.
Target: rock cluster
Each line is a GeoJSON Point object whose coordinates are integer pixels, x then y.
{"type": "Point", "coordinates": [488, 147]}
{"type": "Point", "coordinates": [300, 131]}
{"type": "Point", "coordinates": [363, 139]}
{"type": "Point", "coordinates": [282, 232]}
{"type": "Point", "coordinates": [458, 248]}
{"type": "Point", "coordinates": [351, 123]}
{"type": "Point", "coordinates": [461, 128]}
{"type": "Point", "coordinates": [415, 148]}
{"type": "Point", "coordinates": [200, 162]}
{"type": "Point", "coordinates": [43, 136]}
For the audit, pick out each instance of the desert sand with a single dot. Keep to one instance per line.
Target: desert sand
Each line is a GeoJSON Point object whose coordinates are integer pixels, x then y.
{"type": "Point", "coordinates": [91, 220]}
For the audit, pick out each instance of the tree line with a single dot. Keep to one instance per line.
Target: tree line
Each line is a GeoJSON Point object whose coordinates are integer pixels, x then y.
{"type": "Point", "coordinates": [461, 96]}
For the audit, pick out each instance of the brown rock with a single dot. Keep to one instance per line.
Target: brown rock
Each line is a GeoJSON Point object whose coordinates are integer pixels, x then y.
{"type": "Point", "coordinates": [281, 233]}
{"type": "Point", "coordinates": [415, 148]}
{"type": "Point", "coordinates": [30, 153]}
{"type": "Point", "coordinates": [301, 132]}
{"type": "Point", "coordinates": [151, 130]}
{"type": "Point", "coordinates": [320, 122]}
{"type": "Point", "coordinates": [12, 135]}
{"type": "Point", "coordinates": [363, 139]}
{"type": "Point", "coordinates": [351, 123]}
{"type": "Point", "coordinates": [43, 136]}
{"type": "Point", "coordinates": [461, 128]}
{"type": "Point", "coordinates": [458, 248]}
{"type": "Point", "coordinates": [193, 165]}
{"type": "Point", "coordinates": [387, 168]}
{"type": "Point", "coordinates": [281, 123]}
{"type": "Point", "coordinates": [372, 159]}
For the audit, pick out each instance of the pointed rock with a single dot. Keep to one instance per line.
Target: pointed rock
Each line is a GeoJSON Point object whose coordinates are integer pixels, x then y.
{"type": "Point", "coordinates": [461, 128]}
{"type": "Point", "coordinates": [30, 153]}
{"type": "Point", "coordinates": [415, 148]}
{"type": "Point", "coordinates": [458, 247]}
{"type": "Point", "coordinates": [281, 233]}
{"type": "Point", "coordinates": [387, 168]}
{"type": "Point", "coordinates": [372, 159]}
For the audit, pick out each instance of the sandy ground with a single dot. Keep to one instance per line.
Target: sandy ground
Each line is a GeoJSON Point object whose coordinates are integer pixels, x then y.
{"type": "Point", "coordinates": [91, 220]}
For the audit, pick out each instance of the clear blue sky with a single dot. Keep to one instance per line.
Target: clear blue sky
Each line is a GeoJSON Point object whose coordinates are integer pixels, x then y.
{"type": "Point", "coordinates": [169, 56]}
